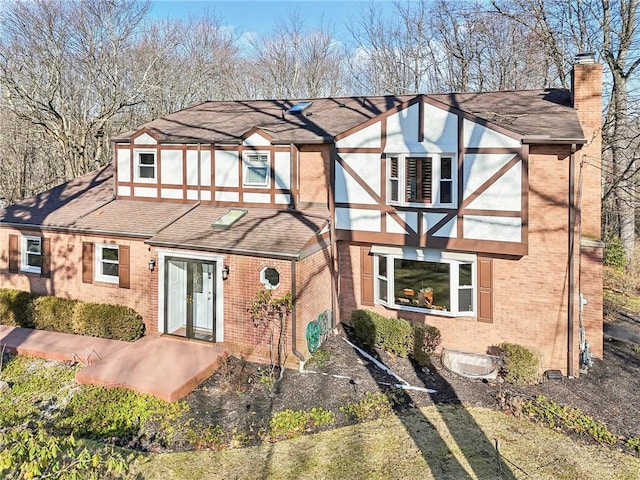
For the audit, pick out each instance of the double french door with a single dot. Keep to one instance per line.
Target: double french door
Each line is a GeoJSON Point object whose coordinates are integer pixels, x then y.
{"type": "Point", "coordinates": [190, 299]}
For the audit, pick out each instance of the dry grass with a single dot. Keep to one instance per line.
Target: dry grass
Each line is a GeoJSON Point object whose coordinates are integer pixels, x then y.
{"type": "Point", "coordinates": [434, 443]}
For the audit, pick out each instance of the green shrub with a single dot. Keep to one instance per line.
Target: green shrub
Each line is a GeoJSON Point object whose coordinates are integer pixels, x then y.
{"type": "Point", "coordinates": [571, 418]}
{"type": "Point", "coordinates": [107, 321]}
{"type": "Point", "coordinates": [23, 309]}
{"type": "Point", "coordinates": [98, 412]}
{"type": "Point", "coordinates": [15, 307]}
{"type": "Point", "coordinates": [426, 339]}
{"type": "Point", "coordinates": [376, 331]}
{"type": "Point", "coordinates": [53, 314]}
{"type": "Point", "coordinates": [291, 423]}
{"type": "Point", "coordinates": [614, 252]}
{"type": "Point", "coordinates": [371, 407]}
{"type": "Point", "coordinates": [38, 454]}
{"type": "Point", "coordinates": [521, 365]}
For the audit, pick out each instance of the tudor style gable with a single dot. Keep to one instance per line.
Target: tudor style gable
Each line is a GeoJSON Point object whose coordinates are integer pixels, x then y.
{"type": "Point", "coordinates": [425, 174]}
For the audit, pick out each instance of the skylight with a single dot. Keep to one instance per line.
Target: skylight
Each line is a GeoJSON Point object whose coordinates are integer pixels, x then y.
{"type": "Point", "coordinates": [299, 107]}
{"type": "Point", "coordinates": [229, 218]}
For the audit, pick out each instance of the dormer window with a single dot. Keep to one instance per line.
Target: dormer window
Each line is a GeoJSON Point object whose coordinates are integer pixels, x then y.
{"type": "Point", "coordinates": [145, 166]}
{"type": "Point", "coordinates": [256, 169]}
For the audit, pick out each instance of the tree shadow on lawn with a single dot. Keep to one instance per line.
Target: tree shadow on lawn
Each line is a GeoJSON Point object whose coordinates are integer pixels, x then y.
{"type": "Point", "coordinates": [477, 450]}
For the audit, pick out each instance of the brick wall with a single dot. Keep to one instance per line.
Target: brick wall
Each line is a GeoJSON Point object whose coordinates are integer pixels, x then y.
{"type": "Point", "coordinates": [313, 285]}
{"type": "Point", "coordinates": [587, 100]}
{"type": "Point", "coordinates": [529, 293]}
{"type": "Point", "coordinates": [66, 273]}
{"type": "Point", "coordinates": [314, 174]}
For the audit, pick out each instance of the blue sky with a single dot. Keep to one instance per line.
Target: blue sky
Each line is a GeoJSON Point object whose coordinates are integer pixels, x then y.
{"type": "Point", "coordinates": [260, 16]}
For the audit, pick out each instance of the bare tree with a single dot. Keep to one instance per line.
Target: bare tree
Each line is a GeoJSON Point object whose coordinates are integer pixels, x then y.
{"type": "Point", "coordinates": [61, 69]}
{"type": "Point", "coordinates": [190, 61]}
{"type": "Point", "coordinates": [610, 29]}
{"type": "Point", "coordinates": [393, 54]}
{"type": "Point", "coordinates": [295, 63]}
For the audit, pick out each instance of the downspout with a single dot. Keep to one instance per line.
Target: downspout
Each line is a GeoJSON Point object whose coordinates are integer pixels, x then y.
{"type": "Point", "coordinates": [332, 243]}
{"type": "Point", "coordinates": [571, 276]}
{"type": "Point", "coordinates": [294, 329]}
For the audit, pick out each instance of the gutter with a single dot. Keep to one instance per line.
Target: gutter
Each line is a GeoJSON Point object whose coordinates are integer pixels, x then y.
{"type": "Point", "coordinates": [240, 251]}
{"type": "Point", "coordinates": [547, 140]}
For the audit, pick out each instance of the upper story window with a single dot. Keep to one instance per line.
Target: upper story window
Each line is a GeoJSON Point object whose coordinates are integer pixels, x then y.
{"type": "Point", "coordinates": [145, 168]}
{"type": "Point", "coordinates": [107, 261]}
{"type": "Point", "coordinates": [430, 283]}
{"type": "Point", "coordinates": [425, 180]}
{"type": "Point", "coordinates": [256, 169]}
{"type": "Point", "coordinates": [31, 254]}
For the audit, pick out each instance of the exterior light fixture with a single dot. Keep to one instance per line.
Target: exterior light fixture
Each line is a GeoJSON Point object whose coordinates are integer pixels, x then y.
{"type": "Point", "coordinates": [225, 272]}
{"type": "Point", "coordinates": [152, 264]}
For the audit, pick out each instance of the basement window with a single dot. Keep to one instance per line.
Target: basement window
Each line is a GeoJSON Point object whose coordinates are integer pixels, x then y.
{"type": "Point", "coordinates": [229, 219]}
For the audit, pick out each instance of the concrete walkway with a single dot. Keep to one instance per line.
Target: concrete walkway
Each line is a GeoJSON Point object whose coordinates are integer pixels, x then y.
{"type": "Point", "coordinates": [165, 367]}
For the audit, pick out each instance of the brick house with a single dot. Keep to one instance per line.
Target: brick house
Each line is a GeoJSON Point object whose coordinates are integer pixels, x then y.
{"type": "Point", "coordinates": [478, 213]}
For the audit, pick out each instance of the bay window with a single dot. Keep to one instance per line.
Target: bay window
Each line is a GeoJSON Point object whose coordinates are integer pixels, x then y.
{"type": "Point", "coordinates": [426, 280]}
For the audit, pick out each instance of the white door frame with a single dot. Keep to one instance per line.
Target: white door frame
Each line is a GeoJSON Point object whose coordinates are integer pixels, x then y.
{"type": "Point", "coordinates": [218, 261]}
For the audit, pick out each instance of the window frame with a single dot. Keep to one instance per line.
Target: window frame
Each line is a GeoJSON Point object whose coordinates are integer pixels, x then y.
{"type": "Point", "coordinates": [419, 255]}
{"type": "Point", "coordinates": [138, 155]}
{"type": "Point", "coordinates": [266, 282]}
{"type": "Point", "coordinates": [436, 179]}
{"type": "Point", "coordinates": [247, 159]}
{"type": "Point", "coordinates": [24, 254]}
{"type": "Point", "coordinates": [99, 260]}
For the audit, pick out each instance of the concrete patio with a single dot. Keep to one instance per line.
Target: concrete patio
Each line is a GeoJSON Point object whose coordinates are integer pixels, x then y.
{"type": "Point", "coordinates": [168, 368]}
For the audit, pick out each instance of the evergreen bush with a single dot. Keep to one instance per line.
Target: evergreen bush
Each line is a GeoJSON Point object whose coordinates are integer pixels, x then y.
{"type": "Point", "coordinates": [53, 314]}
{"type": "Point", "coordinates": [14, 308]}
{"type": "Point", "coordinates": [521, 366]}
{"type": "Point", "coordinates": [394, 335]}
{"type": "Point", "coordinates": [107, 321]}
{"type": "Point", "coordinates": [23, 309]}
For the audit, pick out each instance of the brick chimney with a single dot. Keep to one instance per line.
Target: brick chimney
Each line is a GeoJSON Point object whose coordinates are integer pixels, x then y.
{"type": "Point", "coordinates": [586, 90]}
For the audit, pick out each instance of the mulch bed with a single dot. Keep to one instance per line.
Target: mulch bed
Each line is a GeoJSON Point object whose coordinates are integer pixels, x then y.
{"type": "Point", "coordinates": [236, 399]}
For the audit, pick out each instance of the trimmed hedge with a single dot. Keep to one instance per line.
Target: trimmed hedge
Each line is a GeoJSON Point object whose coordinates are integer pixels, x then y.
{"type": "Point", "coordinates": [56, 314]}
{"type": "Point", "coordinates": [15, 308]}
{"type": "Point", "coordinates": [53, 314]}
{"type": "Point", "coordinates": [394, 335]}
{"type": "Point", "coordinates": [107, 321]}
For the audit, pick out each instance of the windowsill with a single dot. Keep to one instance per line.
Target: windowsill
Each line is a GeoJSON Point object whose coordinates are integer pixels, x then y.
{"type": "Point", "coordinates": [107, 280]}
{"type": "Point", "coordinates": [251, 185]}
{"type": "Point", "coordinates": [31, 270]}
{"type": "Point", "coordinates": [425, 311]}
{"type": "Point", "coordinates": [423, 205]}
{"type": "Point", "coordinates": [150, 181]}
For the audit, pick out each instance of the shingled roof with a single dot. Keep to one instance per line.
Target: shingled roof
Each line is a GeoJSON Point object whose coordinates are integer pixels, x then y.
{"type": "Point", "coordinates": [537, 113]}
{"type": "Point", "coordinates": [63, 205]}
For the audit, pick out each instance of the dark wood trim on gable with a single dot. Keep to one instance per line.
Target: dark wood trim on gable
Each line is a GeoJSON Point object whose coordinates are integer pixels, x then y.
{"type": "Point", "coordinates": [491, 180]}
{"type": "Point", "coordinates": [359, 180]}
